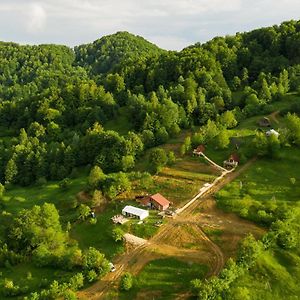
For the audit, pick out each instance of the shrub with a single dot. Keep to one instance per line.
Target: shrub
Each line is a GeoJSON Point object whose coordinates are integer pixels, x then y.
{"type": "Point", "coordinates": [117, 234]}
{"type": "Point", "coordinates": [65, 183]}
{"type": "Point", "coordinates": [91, 276]}
{"type": "Point", "coordinates": [244, 212]}
{"type": "Point", "coordinates": [69, 295]}
{"type": "Point", "coordinates": [76, 282]}
{"type": "Point", "coordinates": [126, 282]}
{"type": "Point", "coordinates": [171, 158]}
{"type": "Point", "coordinates": [41, 181]}
{"type": "Point", "coordinates": [93, 221]}
{"type": "Point", "coordinates": [84, 212]}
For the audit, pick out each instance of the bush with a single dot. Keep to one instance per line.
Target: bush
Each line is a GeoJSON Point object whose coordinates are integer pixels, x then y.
{"type": "Point", "coordinates": [126, 282]}
{"type": "Point", "coordinates": [65, 183]}
{"type": "Point", "coordinates": [69, 295]}
{"type": "Point", "coordinates": [171, 158]}
{"type": "Point", "coordinates": [93, 221]}
{"type": "Point", "coordinates": [41, 181]}
{"type": "Point", "coordinates": [83, 211]}
{"type": "Point", "coordinates": [145, 181]}
{"type": "Point", "coordinates": [98, 199]}
{"type": "Point", "coordinates": [117, 234]}
{"type": "Point", "coordinates": [10, 289]}
{"type": "Point", "coordinates": [91, 276]}
{"type": "Point", "coordinates": [76, 282]}
{"type": "Point", "coordinates": [95, 177]}
{"type": "Point", "coordinates": [244, 212]}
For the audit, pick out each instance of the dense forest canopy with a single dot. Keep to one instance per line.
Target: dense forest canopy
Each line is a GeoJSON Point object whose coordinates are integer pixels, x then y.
{"type": "Point", "coordinates": [62, 99]}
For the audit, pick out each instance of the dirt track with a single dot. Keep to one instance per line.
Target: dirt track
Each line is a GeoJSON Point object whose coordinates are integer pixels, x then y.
{"type": "Point", "coordinates": [172, 238]}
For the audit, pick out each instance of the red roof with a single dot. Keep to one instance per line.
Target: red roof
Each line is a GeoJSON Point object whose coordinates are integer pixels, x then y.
{"type": "Point", "coordinates": [145, 201]}
{"type": "Point", "coordinates": [161, 200]}
{"type": "Point", "coordinates": [200, 148]}
{"type": "Point", "coordinates": [234, 157]}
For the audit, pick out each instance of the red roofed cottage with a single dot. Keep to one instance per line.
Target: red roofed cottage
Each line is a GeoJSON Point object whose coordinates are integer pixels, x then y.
{"type": "Point", "coordinates": [156, 201]}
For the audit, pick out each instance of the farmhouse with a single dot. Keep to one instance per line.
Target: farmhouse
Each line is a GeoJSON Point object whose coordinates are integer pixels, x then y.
{"type": "Point", "coordinates": [199, 150]}
{"type": "Point", "coordinates": [232, 161]}
{"type": "Point", "coordinates": [131, 211]}
{"type": "Point", "coordinates": [272, 132]}
{"type": "Point", "coordinates": [156, 201]}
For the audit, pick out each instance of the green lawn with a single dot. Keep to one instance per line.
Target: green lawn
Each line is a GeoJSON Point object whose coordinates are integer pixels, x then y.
{"type": "Point", "coordinates": [99, 235]}
{"type": "Point", "coordinates": [17, 198]}
{"type": "Point", "coordinates": [145, 230]}
{"type": "Point", "coordinates": [164, 278]}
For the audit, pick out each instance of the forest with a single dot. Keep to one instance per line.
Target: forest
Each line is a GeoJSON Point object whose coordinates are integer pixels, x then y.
{"type": "Point", "coordinates": [102, 108]}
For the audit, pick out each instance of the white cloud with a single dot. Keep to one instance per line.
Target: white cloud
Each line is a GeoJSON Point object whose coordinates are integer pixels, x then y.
{"type": "Point", "coordinates": [169, 42]}
{"type": "Point", "coordinates": [172, 24]}
{"type": "Point", "coordinates": [36, 19]}
{"type": "Point", "coordinates": [193, 7]}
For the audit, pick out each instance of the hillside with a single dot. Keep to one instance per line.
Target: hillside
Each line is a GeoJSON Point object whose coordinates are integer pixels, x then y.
{"type": "Point", "coordinates": [86, 131]}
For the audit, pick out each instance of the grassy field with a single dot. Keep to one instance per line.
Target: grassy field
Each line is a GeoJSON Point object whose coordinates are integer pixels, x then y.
{"type": "Point", "coordinates": [99, 235]}
{"type": "Point", "coordinates": [163, 279]}
{"type": "Point", "coordinates": [266, 183]}
{"type": "Point", "coordinates": [17, 198]}
{"type": "Point", "coordinates": [274, 277]}
{"type": "Point", "coordinates": [181, 181]}
{"type": "Point", "coordinates": [146, 229]}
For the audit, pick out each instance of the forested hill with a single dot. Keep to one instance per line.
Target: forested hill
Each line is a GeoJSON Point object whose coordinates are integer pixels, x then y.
{"type": "Point", "coordinates": [112, 52]}
{"type": "Point", "coordinates": [57, 101]}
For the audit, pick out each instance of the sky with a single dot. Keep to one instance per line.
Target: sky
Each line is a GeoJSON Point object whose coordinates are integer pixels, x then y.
{"type": "Point", "coordinates": [171, 24]}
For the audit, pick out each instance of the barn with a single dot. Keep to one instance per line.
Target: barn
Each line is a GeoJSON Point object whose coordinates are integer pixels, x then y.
{"type": "Point", "coordinates": [131, 211]}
